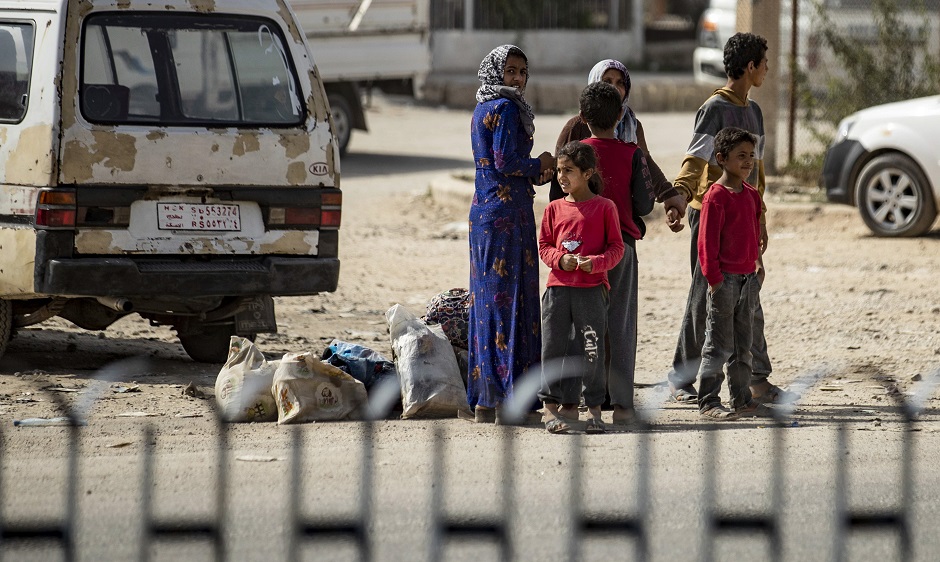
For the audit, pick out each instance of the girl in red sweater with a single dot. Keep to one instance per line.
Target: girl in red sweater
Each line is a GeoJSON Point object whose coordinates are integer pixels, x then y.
{"type": "Point", "coordinates": [580, 241]}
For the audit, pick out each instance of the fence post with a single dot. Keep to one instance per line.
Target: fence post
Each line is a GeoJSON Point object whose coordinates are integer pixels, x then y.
{"type": "Point", "coordinates": [762, 17]}
{"type": "Point", "coordinates": [468, 15]}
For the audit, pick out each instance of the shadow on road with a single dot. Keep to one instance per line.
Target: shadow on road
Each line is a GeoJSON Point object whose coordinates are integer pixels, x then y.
{"type": "Point", "coordinates": [83, 354]}
{"type": "Point", "coordinates": [363, 164]}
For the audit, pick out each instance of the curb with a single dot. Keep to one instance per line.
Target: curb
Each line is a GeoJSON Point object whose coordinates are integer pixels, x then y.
{"type": "Point", "coordinates": [559, 95]}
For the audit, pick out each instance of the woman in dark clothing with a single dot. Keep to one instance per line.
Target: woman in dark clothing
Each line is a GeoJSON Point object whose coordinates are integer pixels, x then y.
{"type": "Point", "coordinates": [505, 321]}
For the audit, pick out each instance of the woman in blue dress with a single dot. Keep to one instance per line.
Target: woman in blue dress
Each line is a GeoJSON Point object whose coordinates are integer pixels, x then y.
{"type": "Point", "coordinates": [505, 322]}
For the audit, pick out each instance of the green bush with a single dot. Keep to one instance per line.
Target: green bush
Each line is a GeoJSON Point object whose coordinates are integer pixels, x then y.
{"type": "Point", "coordinates": [895, 65]}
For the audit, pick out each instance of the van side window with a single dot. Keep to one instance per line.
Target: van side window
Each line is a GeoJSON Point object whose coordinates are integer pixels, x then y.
{"type": "Point", "coordinates": [187, 70]}
{"type": "Point", "coordinates": [16, 62]}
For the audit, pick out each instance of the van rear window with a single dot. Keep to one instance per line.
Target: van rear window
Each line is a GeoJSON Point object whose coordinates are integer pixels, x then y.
{"type": "Point", "coordinates": [16, 61]}
{"type": "Point", "coordinates": [187, 70]}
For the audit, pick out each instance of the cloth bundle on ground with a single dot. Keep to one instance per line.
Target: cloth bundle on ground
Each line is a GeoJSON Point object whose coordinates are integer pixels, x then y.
{"type": "Point", "coordinates": [243, 387]}
{"type": "Point", "coordinates": [307, 389]}
{"type": "Point", "coordinates": [365, 365]}
{"type": "Point", "coordinates": [451, 309]}
{"type": "Point", "coordinates": [427, 368]}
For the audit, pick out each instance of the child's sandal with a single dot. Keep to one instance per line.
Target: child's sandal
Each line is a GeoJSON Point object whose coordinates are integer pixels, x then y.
{"type": "Point", "coordinates": [718, 413]}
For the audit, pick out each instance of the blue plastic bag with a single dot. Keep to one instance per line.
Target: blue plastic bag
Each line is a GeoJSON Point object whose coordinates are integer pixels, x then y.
{"type": "Point", "coordinates": [364, 364]}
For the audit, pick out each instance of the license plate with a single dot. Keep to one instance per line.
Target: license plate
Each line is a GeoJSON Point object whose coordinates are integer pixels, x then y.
{"type": "Point", "coordinates": [190, 216]}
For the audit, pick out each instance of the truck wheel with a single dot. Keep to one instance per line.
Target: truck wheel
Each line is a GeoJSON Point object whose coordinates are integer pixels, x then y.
{"type": "Point", "coordinates": [6, 324]}
{"type": "Point", "coordinates": [894, 198]}
{"type": "Point", "coordinates": [342, 120]}
{"type": "Point", "coordinates": [210, 344]}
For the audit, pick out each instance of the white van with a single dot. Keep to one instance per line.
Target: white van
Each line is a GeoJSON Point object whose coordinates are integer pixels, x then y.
{"type": "Point", "coordinates": [173, 159]}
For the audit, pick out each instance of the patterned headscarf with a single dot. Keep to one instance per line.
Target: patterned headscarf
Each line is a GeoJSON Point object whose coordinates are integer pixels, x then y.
{"type": "Point", "coordinates": [626, 128]}
{"type": "Point", "coordinates": [491, 74]}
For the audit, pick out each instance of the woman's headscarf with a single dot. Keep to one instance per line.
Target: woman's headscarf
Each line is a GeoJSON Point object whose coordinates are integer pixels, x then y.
{"type": "Point", "coordinates": [491, 74]}
{"type": "Point", "coordinates": [626, 128]}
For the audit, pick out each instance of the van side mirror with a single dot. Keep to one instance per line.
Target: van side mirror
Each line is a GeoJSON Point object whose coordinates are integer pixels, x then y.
{"type": "Point", "coordinates": [105, 102]}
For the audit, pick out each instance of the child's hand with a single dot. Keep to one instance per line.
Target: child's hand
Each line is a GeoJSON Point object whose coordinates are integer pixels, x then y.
{"type": "Point", "coordinates": [568, 262]}
{"type": "Point", "coordinates": [546, 162]}
{"type": "Point", "coordinates": [585, 264]}
{"type": "Point", "coordinates": [712, 289]}
{"type": "Point", "coordinates": [545, 176]}
{"type": "Point", "coordinates": [674, 220]}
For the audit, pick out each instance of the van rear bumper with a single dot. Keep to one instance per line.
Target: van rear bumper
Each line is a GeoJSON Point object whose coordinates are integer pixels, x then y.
{"type": "Point", "coordinates": [126, 277]}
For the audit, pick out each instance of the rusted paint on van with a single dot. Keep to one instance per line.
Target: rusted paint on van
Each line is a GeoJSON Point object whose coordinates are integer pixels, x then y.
{"type": "Point", "coordinates": [246, 142]}
{"type": "Point", "coordinates": [115, 151]}
{"type": "Point", "coordinates": [286, 17]}
{"type": "Point", "coordinates": [31, 161]}
{"type": "Point", "coordinates": [296, 173]}
{"type": "Point", "coordinates": [331, 164]}
{"type": "Point", "coordinates": [17, 251]}
{"type": "Point", "coordinates": [292, 242]}
{"type": "Point", "coordinates": [95, 241]}
{"type": "Point", "coordinates": [204, 6]}
{"type": "Point", "coordinates": [295, 145]}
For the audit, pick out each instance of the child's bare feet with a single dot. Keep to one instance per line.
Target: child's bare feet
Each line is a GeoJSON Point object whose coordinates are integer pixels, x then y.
{"type": "Point", "coordinates": [569, 411]}
{"type": "Point", "coordinates": [624, 416]}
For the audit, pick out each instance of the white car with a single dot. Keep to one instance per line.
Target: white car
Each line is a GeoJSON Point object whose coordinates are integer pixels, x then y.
{"type": "Point", "coordinates": [885, 161]}
{"type": "Point", "coordinates": [716, 26]}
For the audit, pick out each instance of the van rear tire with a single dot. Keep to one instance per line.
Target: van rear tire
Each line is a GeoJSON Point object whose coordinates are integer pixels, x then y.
{"type": "Point", "coordinates": [6, 325]}
{"type": "Point", "coordinates": [210, 344]}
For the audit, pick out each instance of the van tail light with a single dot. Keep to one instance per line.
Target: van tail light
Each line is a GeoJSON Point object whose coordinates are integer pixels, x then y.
{"type": "Point", "coordinates": [330, 218]}
{"type": "Point", "coordinates": [326, 216]}
{"type": "Point", "coordinates": [332, 209]}
{"type": "Point", "coordinates": [55, 208]}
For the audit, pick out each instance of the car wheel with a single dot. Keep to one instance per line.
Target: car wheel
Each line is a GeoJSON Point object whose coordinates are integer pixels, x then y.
{"type": "Point", "coordinates": [894, 197]}
{"type": "Point", "coordinates": [342, 120]}
{"type": "Point", "coordinates": [210, 344]}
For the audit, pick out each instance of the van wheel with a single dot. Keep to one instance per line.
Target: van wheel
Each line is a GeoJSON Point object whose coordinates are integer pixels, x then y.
{"type": "Point", "coordinates": [342, 120]}
{"type": "Point", "coordinates": [210, 344]}
{"type": "Point", "coordinates": [6, 325]}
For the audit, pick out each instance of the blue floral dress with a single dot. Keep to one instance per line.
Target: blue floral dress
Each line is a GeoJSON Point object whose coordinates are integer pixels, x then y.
{"type": "Point", "coordinates": [505, 323]}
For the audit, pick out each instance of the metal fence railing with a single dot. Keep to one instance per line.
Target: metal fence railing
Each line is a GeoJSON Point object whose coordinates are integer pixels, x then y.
{"type": "Point", "coordinates": [628, 522]}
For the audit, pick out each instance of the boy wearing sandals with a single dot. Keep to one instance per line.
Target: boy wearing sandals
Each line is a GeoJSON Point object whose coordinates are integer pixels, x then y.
{"type": "Point", "coordinates": [729, 255]}
{"type": "Point", "coordinates": [745, 60]}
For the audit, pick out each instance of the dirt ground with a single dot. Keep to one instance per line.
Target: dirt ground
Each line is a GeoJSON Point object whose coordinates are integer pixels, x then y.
{"type": "Point", "coordinates": [861, 310]}
{"type": "Point", "coordinates": [851, 317]}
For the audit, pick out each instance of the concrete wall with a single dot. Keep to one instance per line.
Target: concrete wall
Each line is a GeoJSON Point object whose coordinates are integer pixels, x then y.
{"type": "Point", "coordinates": [548, 50]}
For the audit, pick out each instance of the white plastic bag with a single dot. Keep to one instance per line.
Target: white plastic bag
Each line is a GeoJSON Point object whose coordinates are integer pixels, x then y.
{"type": "Point", "coordinates": [427, 368]}
{"type": "Point", "coordinates": [243, 387]}
{"type": "Point", "coordinates": [307, 389]}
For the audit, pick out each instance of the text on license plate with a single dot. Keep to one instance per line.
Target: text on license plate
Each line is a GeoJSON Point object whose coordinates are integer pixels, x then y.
{"type": "Point", "coordinates": [190, 216]}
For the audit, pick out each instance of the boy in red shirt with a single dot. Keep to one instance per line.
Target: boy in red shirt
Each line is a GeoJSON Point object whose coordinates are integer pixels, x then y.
{"type": "Point", "coordinates": [627, 183]}
{"type": "Point", "coordinates": [728, 252]}
{"type": "Point", "coordinates": [580, 241]}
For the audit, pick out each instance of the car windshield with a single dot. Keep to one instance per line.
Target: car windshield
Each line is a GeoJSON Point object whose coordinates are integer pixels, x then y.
{"type": "Point", "coordinates": [187, 70]}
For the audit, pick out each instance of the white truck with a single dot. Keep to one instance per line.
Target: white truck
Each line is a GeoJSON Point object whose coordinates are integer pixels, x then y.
{"type": "Point", "coordinates": [365, 43]}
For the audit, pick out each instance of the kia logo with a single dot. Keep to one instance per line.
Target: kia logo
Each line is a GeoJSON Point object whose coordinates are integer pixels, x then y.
{"type": "Point", "coordinates": [319, 169]}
